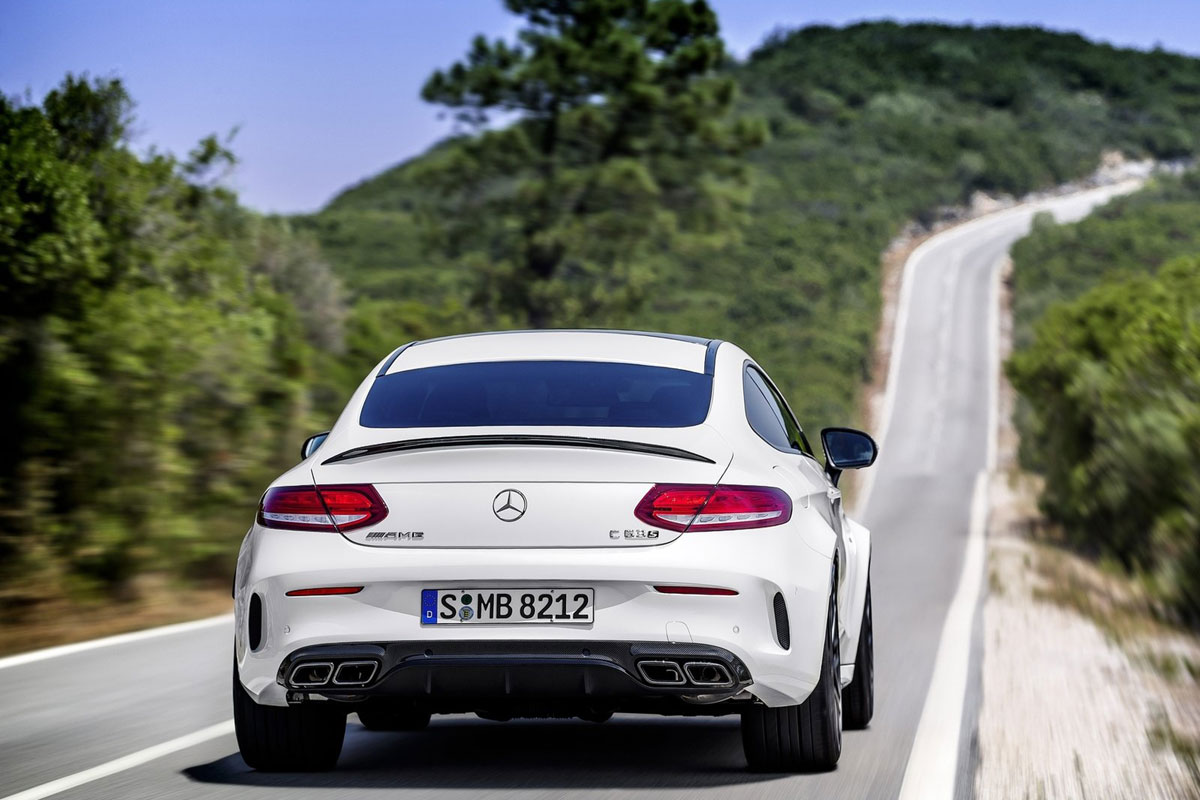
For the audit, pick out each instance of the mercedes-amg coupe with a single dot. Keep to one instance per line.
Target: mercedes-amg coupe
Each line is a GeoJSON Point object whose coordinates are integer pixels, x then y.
{"type": "Point", "coordinates": [558, 524]}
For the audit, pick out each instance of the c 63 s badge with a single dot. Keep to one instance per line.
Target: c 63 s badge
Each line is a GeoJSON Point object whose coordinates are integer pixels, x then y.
{"type": "Point", "coordinates": [395, 536]}
{"type": "Point", "coordinates": [632, 533]}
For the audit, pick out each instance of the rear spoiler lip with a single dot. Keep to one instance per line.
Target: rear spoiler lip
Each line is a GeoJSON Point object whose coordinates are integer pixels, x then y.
{"type": "Point", "coordinates": [516, 440]}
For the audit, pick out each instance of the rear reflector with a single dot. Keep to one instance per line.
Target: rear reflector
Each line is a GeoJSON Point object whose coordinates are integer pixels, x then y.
{"type": "Point", "coordinates": [710, 590]}
{"type": "Point", "coordinates": [324, 591]}
{"type": "Point", "coordinates": [321, 508]}
{"type": "Point", "coordinates": [681, 507]}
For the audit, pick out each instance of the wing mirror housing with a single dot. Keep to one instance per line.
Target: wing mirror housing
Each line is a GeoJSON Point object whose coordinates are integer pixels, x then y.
{"type": "Point", "coordinates": [847, 448]}
{"type": "Point", "coordinates": [312, 444]}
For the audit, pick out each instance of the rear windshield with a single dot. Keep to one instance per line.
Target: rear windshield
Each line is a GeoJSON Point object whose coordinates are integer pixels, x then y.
{"type": "Point", "coordinates": [538, 393]}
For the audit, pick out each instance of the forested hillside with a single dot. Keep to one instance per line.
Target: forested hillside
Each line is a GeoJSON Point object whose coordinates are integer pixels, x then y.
{"type": "Point", "coordinates": [1108, 364]}
{"type": "Point", "coordinates": [159, 349]}
{"type": "Point", "coordinates": [167, 350]}
{"type": "Point", "coordinates": [870, 126]}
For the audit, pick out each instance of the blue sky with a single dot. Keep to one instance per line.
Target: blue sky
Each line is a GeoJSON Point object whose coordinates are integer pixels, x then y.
{"type": "Point", "coordinates": [325, 93]}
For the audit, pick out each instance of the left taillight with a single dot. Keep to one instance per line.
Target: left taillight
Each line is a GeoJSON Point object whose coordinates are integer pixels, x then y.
{"type": "Point", "coordinates": [321, 508]}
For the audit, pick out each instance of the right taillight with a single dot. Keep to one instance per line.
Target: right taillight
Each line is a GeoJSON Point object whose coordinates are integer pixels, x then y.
{"type": "Point", "coordinates": [321, 508]}
{"type": "Point", "coordinates": [691, 506]}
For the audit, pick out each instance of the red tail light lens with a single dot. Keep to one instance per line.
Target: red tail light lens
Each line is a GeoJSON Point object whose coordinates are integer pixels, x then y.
{"type": "Point", "coordinates": [673, 506]}
{"type": "Point", "coordinates": [680, 507]}
{"type": "Point", "coordinates": [321, 508]}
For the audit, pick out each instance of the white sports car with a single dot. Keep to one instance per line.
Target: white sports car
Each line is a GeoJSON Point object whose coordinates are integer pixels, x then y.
{"type": "Point", "coordinates": [557, 524]}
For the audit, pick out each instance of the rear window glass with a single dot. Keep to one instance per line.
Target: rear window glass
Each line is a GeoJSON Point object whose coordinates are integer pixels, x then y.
{"type": "Point", "coordinates": [538, 393]}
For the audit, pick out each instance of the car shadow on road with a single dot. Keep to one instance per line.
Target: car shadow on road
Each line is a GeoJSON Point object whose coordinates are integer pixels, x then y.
{"type": "Point", "coordinates": [463, 752]}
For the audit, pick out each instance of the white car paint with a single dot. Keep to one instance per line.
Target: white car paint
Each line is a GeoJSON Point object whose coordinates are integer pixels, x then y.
{"type": "Point", "coordinates": [448, 494]}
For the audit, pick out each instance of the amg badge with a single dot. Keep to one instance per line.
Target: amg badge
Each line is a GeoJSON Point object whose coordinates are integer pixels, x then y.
{"type": "Point", "coordinates": [395, 536]}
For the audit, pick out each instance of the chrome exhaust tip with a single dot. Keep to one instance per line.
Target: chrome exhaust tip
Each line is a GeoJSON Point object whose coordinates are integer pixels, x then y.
{"type": "Point", "coordinates": [307, 674]}
{"type": "Point", "coordinates": [708, 673]}
{"type": "Point", "coordinates": [661, 673]}
{"type": "Point", "coordinates": [355, 673]}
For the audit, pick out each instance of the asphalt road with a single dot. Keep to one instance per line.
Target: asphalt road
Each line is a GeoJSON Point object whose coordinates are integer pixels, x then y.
{"type": "Point", "coordinates": [63, 715]}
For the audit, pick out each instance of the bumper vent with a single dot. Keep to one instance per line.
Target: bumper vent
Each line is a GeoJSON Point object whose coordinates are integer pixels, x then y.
{"type": "Point", "coordinates": [783, 631]}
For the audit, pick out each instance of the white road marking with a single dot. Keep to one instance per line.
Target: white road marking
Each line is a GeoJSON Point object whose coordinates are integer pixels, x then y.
{"type": "Point", "coordinates": [109, 641]}
{"type": "Point", "coordinates": [993, 417]}
{"type": "Point", "coordinates": [933, 763]}
{"type": "Point", "coordinates": [124, 763]}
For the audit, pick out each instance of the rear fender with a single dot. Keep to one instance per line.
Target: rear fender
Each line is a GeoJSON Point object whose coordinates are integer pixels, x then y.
{"type": "Point", "coordinates": [854, 593]}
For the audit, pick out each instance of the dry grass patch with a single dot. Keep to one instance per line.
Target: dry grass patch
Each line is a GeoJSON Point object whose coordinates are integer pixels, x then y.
{"type": "Point", "coordinates": [1164, 736]}
{"type": "Point", "coordinates": [152, 601]}
{"type": "Point", "coordinates": [1118, 605]}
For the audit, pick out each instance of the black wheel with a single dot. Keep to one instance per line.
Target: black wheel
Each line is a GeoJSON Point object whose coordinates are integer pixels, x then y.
{"type": "Point", "coordinates": [807, 737]}
{"type": "Point", "coordinates": [304, 738]}
{"type": "Point", "coordinates": [859, 695]}
{"type": "Point", "coordinates": [392, 717]}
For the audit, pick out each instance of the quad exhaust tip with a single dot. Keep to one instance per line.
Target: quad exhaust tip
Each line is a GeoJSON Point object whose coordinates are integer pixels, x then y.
{"type": "Point", "coordinates": [354, 673]}
{"type": "Point", "coordinates": [708, 673]}
{"type": "Point", "coordinates": [661, 673]}
{"type": "Point", "coordinates": [313, 674]}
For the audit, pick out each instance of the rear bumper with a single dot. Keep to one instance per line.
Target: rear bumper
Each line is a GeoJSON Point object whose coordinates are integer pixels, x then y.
{"type": "Point", "coordinates": [499, 659]}
{"type": "Point", "coordinates": [468, 675]}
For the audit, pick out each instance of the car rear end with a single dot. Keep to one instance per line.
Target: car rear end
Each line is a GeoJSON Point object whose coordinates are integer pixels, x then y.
{"type": "Point", "coordinates": [494, 526]}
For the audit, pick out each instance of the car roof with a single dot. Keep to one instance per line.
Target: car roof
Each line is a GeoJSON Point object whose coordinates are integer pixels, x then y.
{"type": "Point", "coordinates": [692, 353]}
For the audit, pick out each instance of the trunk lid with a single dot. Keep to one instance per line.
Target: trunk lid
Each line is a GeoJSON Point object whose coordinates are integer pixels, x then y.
{"type": "Point", "coordinates": [544, 491]}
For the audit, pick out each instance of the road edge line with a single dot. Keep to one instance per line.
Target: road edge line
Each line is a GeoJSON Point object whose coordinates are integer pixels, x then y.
{"type": "Point", "coordinates": [994, 366]}
{"type": "Point", "coordinates": [933, 761]}
{"type": "Point", "coordinates": [121, 638]}
{"type": "Point", "coordinates": [125, 762]}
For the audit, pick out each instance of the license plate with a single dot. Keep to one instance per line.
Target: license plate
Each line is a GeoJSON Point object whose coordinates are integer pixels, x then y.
{"type": "Point", "coordinates": [474, 606]}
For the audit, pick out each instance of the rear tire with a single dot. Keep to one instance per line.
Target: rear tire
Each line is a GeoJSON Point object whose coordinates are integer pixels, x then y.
{"type": "Point", "coordinates": [807, 737]}
{"type": "Point", "coordinates": [303, 738]}
{"type": "Point", "coordinates": [392, 717]}
{"type": "Point", "coordinates": [859, 695]}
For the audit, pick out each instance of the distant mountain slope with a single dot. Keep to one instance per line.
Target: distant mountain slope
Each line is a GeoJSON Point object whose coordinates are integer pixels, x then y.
{"type": "Point", "coordinates": [872, 125]}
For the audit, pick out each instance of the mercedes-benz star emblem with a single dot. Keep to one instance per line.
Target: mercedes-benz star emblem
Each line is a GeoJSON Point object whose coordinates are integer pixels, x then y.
{"type": "Point", "coordinates": [509, 505]}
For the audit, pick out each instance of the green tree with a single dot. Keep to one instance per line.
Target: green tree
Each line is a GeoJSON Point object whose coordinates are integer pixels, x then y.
{"type": "Point", "coordinates": [159, 343]}
{"type": "Point", "coordinates": [622, 144]}
{"type": "Point", "coordinates": [50, 248]}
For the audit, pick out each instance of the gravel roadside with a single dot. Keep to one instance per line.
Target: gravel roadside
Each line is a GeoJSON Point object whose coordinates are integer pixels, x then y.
{"type": "Point", "coordinates": [1085, 693]}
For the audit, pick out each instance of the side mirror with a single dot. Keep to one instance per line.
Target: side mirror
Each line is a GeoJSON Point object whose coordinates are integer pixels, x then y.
{"type": "Point", "coordinates": [846, 448]}
{"type": "Point", "coordinates": [312, 444]}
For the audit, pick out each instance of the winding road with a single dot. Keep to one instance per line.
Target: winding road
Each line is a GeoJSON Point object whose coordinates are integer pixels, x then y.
{"type": "Point", "coordinates": [148, 715]}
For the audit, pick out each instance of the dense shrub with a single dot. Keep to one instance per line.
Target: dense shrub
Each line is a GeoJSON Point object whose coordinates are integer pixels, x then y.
{"type": "Point", "coordinates": [1113, 380]}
